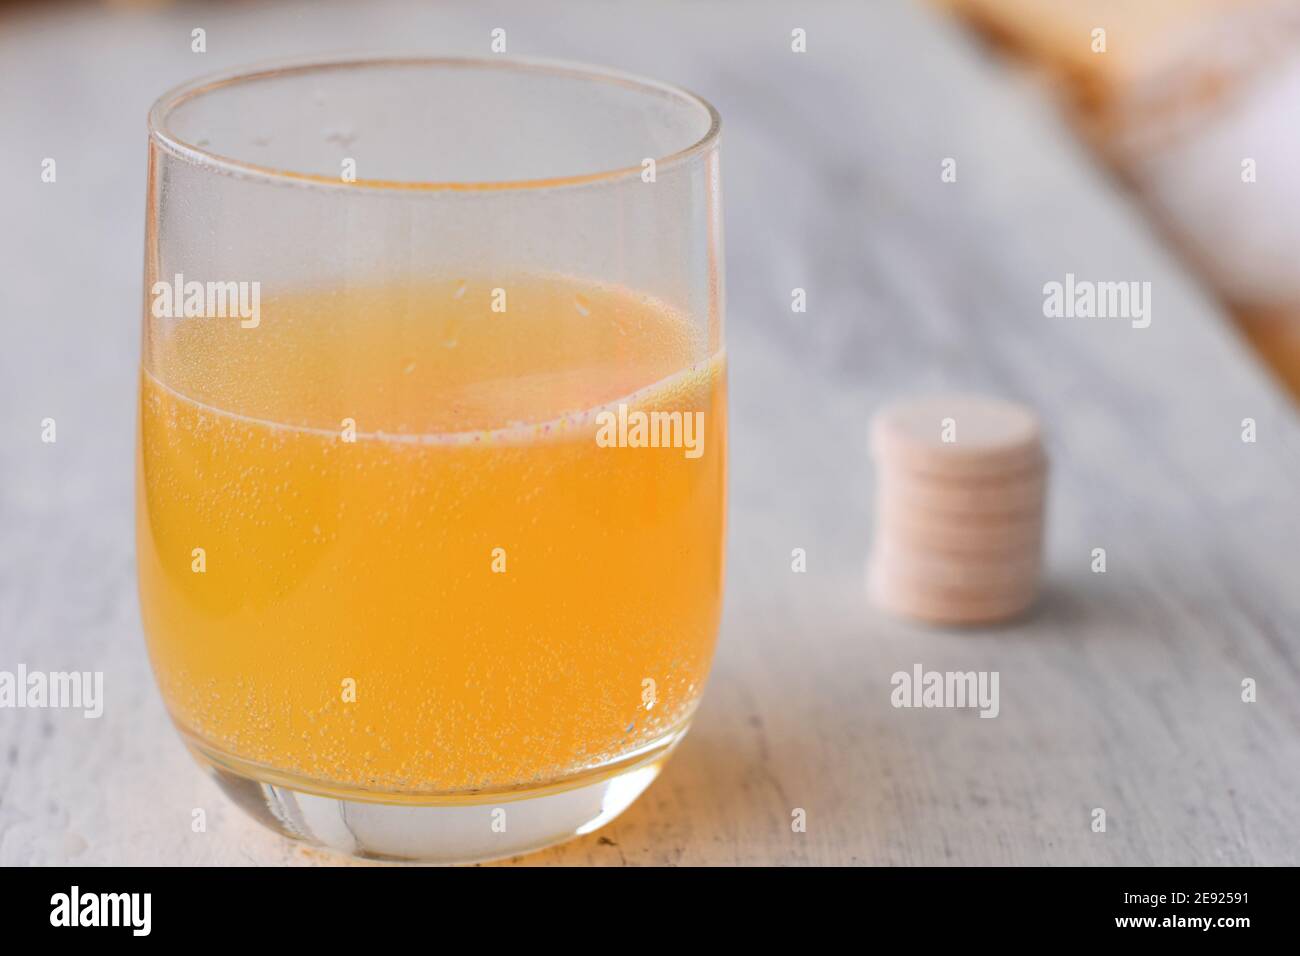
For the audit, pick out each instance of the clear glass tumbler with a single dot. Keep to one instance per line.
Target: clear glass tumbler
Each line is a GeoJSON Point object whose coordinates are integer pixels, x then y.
{"type": "Point", "coordinates": [432, 443]}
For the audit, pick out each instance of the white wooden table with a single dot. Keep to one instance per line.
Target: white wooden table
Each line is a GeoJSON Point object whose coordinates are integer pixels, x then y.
{"type": "Point", "coordinates": [1123, 692]}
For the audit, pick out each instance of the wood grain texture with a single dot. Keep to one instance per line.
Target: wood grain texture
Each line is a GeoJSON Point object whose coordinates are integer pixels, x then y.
{"type": "Point", "coordinates": [1121, 692]}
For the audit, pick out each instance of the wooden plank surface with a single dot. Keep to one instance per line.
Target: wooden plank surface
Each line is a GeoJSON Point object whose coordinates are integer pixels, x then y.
{"type": "Point", "coordinates": [1122, 692]}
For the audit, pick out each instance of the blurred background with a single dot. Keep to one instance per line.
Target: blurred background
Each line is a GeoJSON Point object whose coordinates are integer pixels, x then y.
{"type": "Point", "coordinates": [1185, 101]}
{"type": "Point", "coordinates": [1193, 104]}
{"type": "Point", "coordinates": [1163, 149]}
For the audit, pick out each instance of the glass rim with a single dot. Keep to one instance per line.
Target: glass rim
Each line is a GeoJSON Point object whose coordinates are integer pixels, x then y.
{"type": "Point", "coordinates": [200, 86]}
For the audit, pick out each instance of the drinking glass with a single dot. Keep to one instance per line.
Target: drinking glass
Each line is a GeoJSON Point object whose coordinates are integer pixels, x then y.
{"type": "Point", "coordinates": [432, 443]}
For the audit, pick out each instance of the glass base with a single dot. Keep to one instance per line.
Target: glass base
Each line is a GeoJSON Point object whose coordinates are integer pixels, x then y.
{"type": "Point", "coordinates": [419, 828]}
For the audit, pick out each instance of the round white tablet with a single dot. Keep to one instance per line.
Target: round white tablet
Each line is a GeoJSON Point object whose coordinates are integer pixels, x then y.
{"type": "Point", "coordinates": [958, 435]}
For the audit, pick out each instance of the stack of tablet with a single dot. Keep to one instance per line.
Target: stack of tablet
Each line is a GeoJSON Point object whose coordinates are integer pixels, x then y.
{"type": "Point", "coordinates": [960, 493]}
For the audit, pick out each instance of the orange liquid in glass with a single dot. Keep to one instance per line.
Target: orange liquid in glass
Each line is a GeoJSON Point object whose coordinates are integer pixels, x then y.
{"type": "Point", "coordinates": [472, 594]}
